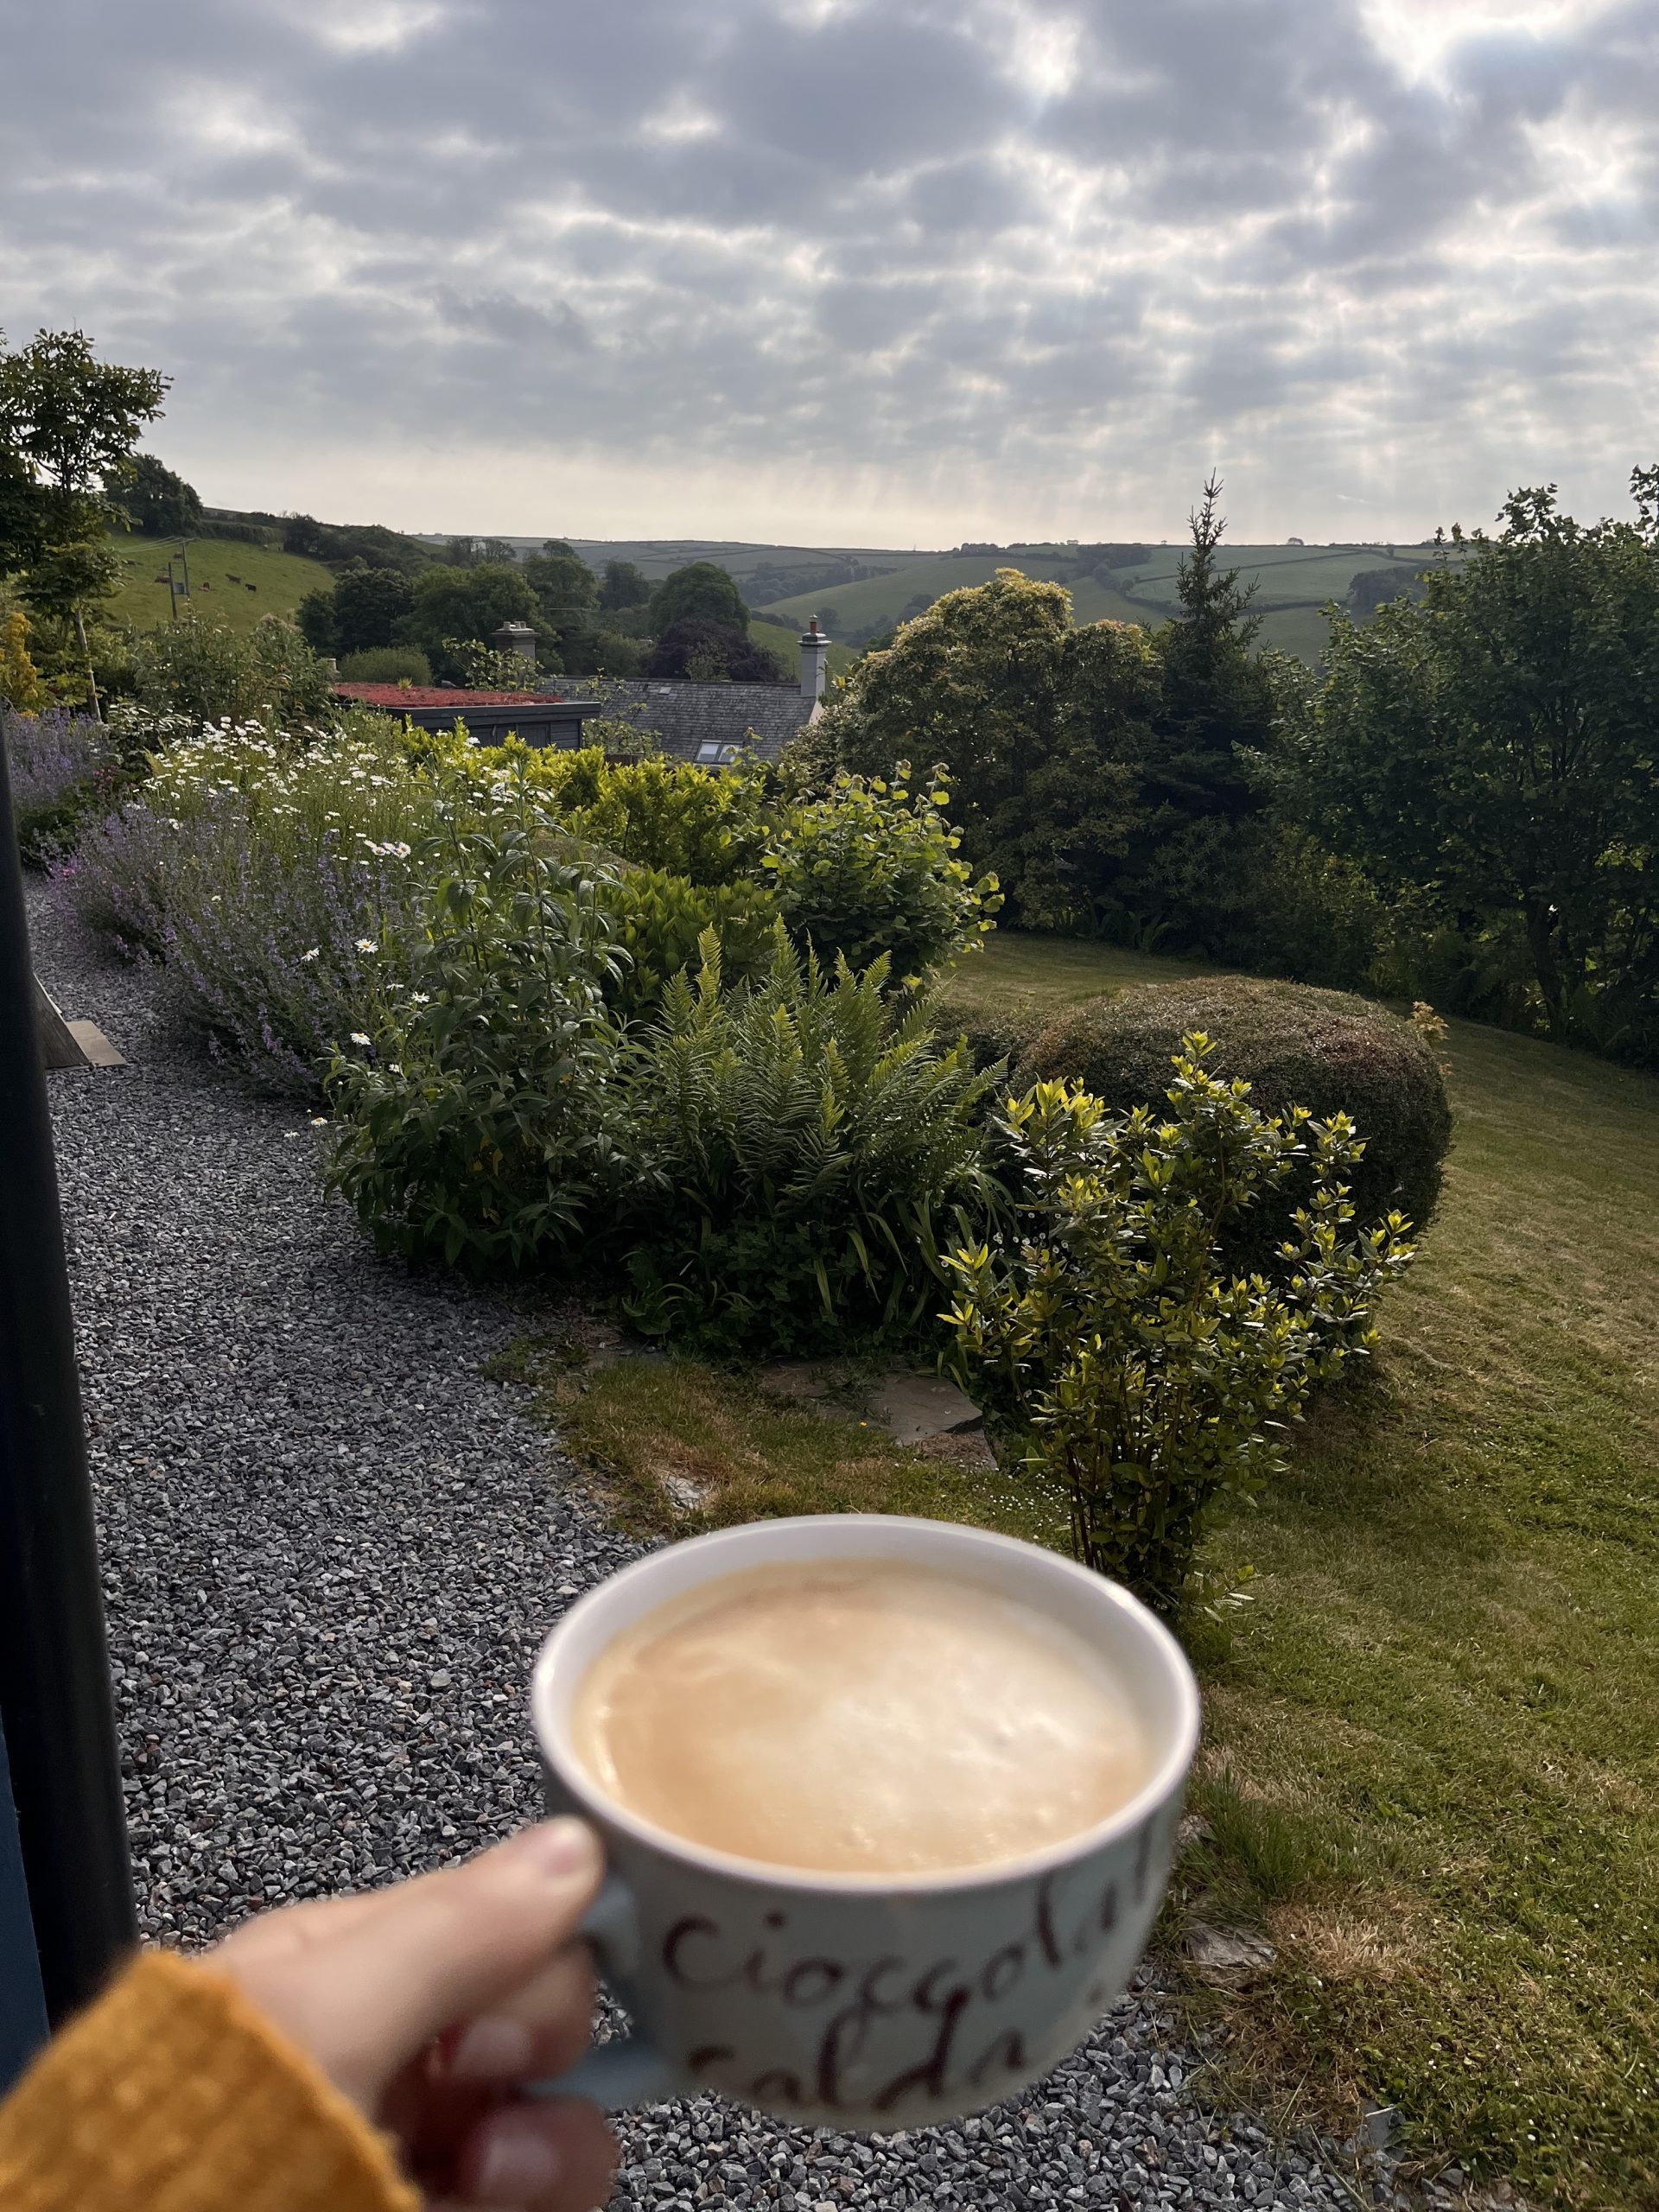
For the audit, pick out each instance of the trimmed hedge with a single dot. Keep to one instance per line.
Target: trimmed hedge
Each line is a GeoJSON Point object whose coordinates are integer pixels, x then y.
{"type": "Point", "coordinates": [1295, 1047]}
{"type": "Point", "coordinates": [993, 1032]}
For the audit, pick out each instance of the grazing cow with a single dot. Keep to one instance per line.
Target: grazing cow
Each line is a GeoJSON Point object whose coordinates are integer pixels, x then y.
{"type": "Point", "coordinates": [253, 586]}
{"type": "Point", "coordinates": [230, 579]}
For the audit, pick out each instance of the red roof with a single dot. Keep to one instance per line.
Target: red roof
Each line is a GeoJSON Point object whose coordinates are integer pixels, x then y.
{"type": "Point", "coordinates": [431, 694]}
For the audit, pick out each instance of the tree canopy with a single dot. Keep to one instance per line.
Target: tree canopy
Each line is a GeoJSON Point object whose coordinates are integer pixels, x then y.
{"type": "Point", "coordinates": [1084, 761]}
{"type": "Point", "coordinates": [626, 585]}
{"type": "Point", "coordinates": [72, 419]}
{"type": "Point", "coordinates": [1039, 724]}
{"type": "Point", "coordinates": [712, 653]}
{"type": "Point", "coordinates": [700, 592]}
{"type": "Point", "coordinates": [68, 424]}
{"type": "Point", "coordinates": [1495, 748]}
{"type": "Point", "coordinates": [566, 590]}
{"type": "Point", "coordinates": [448, 605]}
{"type": "Point", "coordinates": [362, 611]}
{"type": "Point", "coordinates": [155, 500]}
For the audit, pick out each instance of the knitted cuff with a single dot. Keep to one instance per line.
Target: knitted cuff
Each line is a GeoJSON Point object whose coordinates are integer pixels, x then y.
{"type": "Point", "coordinates": [173, 2093]}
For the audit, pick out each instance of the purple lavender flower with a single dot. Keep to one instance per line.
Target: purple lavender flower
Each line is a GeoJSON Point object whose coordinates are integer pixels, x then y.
{"type": "Point", "coordinates": [59, 764]}
{"type": "Point", "coordinates": [263, 958]}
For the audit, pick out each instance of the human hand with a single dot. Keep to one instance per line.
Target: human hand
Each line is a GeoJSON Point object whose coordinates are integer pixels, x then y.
{"type": "Point", "coordinates": [427, 2003]}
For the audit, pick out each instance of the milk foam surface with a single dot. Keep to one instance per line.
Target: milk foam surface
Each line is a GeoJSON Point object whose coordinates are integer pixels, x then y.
{"type": "Point", "coordinates": [859, 1716]}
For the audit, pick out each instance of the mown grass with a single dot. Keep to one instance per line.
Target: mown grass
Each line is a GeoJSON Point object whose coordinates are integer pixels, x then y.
{"type": "Point", "coordinates": [1016, 967]}
{"type": "Point", "coordinates": [1435, 1743]}
{"type": "Point", "coordinates": [1431, 1762]}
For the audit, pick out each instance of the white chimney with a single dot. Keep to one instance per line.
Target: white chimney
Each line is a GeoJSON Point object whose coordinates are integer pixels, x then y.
{"type": "Point", "coordinates": [814, 655]}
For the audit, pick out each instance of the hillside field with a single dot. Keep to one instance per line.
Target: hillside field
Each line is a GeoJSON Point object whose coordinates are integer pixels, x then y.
{"type": "Point", "coordinates": [1293, 583]}
{"type": "Point", "coordinates": [785, 637]}
{"type": "Point", "coordinates": [660, 556]}
{"type": "Point", "coordinates": [280, 582]}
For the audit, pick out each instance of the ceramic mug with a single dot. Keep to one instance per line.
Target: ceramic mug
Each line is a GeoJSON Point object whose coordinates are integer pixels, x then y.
{"type": "Point", "coordinates": [866, 2001]}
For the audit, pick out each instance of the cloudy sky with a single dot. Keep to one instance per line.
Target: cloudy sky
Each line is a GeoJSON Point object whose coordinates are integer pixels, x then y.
{"type": "Point", "coordinates": [858, 271]}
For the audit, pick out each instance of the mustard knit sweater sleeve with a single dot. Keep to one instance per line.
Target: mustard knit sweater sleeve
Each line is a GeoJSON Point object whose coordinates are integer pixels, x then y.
{"type": "Point", "coordinates": [172, 2094]}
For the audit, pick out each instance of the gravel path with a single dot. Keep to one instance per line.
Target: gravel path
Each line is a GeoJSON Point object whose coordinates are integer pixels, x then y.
{"type": "Point", "coordinates": [330, 1548]}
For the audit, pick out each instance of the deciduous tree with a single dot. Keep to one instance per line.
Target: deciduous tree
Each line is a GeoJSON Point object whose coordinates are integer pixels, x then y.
{"type": "Point", "coordinates": [626, 585]}
{"type": "Point", "coordinates": [1496, 747]}
{"type": "Point", "coordinates": [154, 500]}
{"type": "Point", "coordinates": [68, 424]}
{"type": "Point", "coordinates": [700, 592]}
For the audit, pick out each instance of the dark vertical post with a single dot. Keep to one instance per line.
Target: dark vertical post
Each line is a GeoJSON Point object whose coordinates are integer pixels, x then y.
{"type": "Point", "coordinates": [23, 2007]}
{"type": "Point", "coordinates": [55, 1676]}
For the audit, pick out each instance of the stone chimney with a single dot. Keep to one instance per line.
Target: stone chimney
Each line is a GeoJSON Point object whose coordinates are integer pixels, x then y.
{"type": "Point", "coordinates": [814, 655]}
{"type": "Point", "coordinates": [515, 638]}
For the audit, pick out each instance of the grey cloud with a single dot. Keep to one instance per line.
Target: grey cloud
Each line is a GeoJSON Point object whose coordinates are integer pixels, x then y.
{"type": "Point", "coordinates": [654, 232]}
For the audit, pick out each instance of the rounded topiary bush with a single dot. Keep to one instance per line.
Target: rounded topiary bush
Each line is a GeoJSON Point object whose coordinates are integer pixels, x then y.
{"type": "Point", "coordinates": [1295, 1047]}
{"type": "Point", "coordinates": [997, 1032]}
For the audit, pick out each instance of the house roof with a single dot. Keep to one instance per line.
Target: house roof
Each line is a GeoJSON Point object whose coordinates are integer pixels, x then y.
{"type": "Point", "coordinates": [688, 716]}
{"type": "Point", "coordinates": [434, 695]}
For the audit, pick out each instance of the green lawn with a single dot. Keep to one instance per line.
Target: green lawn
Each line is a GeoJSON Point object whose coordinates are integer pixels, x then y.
{"type": "Point", "coordinates": [1433, 1743]}
{"type": "Point", "coordinates": [220, 572]}
{"type": "Point", "coordinates": [1017, 966]}
{"type": "Point", "coordinates": [1430, 1763]}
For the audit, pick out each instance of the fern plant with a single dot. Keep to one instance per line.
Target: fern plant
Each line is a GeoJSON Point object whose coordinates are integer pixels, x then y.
{"type": "Point", "coordinates": [807, 1138]}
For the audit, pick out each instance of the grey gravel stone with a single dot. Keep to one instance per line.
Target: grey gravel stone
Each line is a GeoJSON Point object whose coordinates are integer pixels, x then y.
{"type": "Point", "coordinates": [330, 1548]}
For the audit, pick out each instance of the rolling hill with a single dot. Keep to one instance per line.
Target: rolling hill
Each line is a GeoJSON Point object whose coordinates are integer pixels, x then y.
{"type": "Point", "coordinates": [1292, 584]}
{"type": "Point", "coordinates": [879, 587]}
{"type": "Point", "coordinates": [784, 637]}
{"type": "Point", "coordinates": [229, 583]}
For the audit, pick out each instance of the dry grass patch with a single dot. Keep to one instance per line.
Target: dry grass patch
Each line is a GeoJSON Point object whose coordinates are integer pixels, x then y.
{"type": "Point", "coordinates": [677, 1447]}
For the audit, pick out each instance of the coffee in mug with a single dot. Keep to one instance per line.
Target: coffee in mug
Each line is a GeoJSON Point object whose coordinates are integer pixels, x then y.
{"type": "Point", "coordinates": [910, 1952]}
{"type": "Point", "coordinates": [859, 1716]}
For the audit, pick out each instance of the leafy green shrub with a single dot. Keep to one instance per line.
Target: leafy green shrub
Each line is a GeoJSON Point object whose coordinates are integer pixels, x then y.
{"type": "Point", "coordinates": [868, 870]}
{"type": "Point", "coordinates": [1295, 1046]}
{"type": "Point", "coordinates": [210, 674]}
{"type": "Point", "coordinates": [803, 1138]}
{"type": "Point", "coordinates": [662, 920]}
{"type": "Point", "coordinates": [387, 665]}
{"type": "Point", "coordinates": [709, 826]}
{"type": "Point", "coordinates": [478, 1110]}
{"type": "Point", "coordinates": [1104, 1333]}
{"type": "Point", "coordinates": [273, 880]}
{"type": "Point", "coordinates": [1266, 895]}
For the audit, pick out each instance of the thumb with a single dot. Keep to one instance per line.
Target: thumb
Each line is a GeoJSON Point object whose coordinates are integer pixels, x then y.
{"type": "Point", "coordinates": [442, 1948]}
{"type": "Point", "coordinates": [377, 1978]}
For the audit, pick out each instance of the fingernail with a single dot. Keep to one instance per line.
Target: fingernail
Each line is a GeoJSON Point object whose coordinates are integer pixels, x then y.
{"type": "Point", "coordinates": [565, 1846]}
{"type": "Point", "coordinates": [517, 2166]}
{"type": "Point", "coordinates": [491, 2049]}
